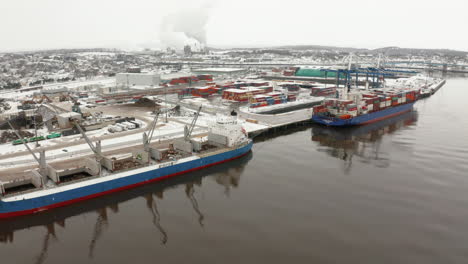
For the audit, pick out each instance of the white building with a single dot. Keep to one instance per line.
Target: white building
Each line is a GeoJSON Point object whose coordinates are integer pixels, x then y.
{"type": "Point", "coordinates": [138, 79]}
{"type": "Point", "coordinates": [64, 119]}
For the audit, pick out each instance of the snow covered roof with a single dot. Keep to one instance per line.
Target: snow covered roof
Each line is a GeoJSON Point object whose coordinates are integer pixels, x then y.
{"type": "Point", "coordinates": [202, 88]}
{"type": "Point", "coordinates": [176, 75]}
{"type": "Point", "coordinates": [234, 90]}
{"type": "Point", "coordinates": [69, 115]}
{"type": "Point", "coordinates": [221, 70]}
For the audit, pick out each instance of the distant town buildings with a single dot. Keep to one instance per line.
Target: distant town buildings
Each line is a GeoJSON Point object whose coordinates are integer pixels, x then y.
{"type": "Point", "coordinates": [30, 69]}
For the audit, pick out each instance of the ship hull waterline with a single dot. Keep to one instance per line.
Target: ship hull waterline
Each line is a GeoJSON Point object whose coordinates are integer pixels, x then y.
{"type": "Point", "coordinates": [366, 118]}
{"type": "Point", "coordinates": [13, 208]}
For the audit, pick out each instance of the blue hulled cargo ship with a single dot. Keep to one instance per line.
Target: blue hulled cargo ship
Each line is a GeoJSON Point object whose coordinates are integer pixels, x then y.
{"type": "Point", "coordinates": [364, 107]}
{"type": "Point", "coordinates": [225, 141]}
{"type": "Point", "coordinates": [364, 118]}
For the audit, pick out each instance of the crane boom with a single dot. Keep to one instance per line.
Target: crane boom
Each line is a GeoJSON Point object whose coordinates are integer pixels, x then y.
{"type": "Point", "coordinates": [189, 130]}
{"type": "Point", "coordinates": [90, 143]}
{"type": "Point", "coordinates": [153, 127]}
{"type": "Point", "coordinates": [24, 143]}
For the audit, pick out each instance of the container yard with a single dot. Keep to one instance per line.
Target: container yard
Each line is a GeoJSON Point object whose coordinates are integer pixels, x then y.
{"type": "Point", "coordinates": [112, 114]}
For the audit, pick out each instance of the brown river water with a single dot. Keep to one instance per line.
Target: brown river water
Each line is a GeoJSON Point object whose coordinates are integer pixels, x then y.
{"type": "Point", "coordinates": [391, 192]}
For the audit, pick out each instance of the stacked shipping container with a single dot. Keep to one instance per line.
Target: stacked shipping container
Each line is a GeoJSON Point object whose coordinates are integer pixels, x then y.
{"type": "Point", "coordinates": [243, 94]}
{"type": "Point", "coordinates": [269, 99]}
{"type": "Point", "coordinates": [323, 91]}
{"type": "Point", "coordinates": [370, 102]}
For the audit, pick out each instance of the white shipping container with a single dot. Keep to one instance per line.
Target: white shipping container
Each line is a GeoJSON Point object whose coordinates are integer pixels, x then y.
{"type": "Point", "coordinates": [382, 104]}
{"type": "Point", "coordinates": [370, 107]}
{"type": "Point", "coordinates": [399, 100]}
{"type": "Point", "coordinates": [403, 99]}
{"type": "Point", "coordinates": [388, 103]}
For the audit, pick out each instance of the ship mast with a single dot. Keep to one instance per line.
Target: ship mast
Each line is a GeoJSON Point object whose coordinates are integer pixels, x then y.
{"type": "Point", "coordinates": [348, 77]}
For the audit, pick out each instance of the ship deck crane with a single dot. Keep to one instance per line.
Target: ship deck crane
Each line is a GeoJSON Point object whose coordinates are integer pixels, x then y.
{"type": "Point", "coordinates": [147, 136]}
{"type": "Point", "coordinates": [23, 141]}
{"type": "Point", "coordinates": [40, 160]}
{"type": "Point", "coordinates": [188, 130]}
{"type": "Point", "coordinates": [96, 149]}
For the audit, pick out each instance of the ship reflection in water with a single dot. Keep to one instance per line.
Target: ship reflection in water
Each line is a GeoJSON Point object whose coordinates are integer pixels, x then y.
{"type": "Point", "coordinates": [227, 175]}
{"type": "Point", "coordinates": [363, 141]}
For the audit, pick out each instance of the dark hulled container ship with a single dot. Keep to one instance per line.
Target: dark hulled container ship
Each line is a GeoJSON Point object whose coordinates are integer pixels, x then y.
{"type": "Point", "coordinates": [364, 107]}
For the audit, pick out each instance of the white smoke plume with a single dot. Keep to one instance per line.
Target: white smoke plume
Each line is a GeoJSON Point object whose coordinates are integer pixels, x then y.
{"type": "Point", "coordinates": [187, 27]}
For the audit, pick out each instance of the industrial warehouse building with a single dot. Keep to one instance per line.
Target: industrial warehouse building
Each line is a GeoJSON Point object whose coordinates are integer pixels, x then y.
{"type": "Point", "coordinates": [220, 71]}
{"type": "Point", "coordinates": [138, 79]}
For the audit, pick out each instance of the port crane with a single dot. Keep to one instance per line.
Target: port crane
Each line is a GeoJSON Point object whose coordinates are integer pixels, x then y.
{"type": "Point", "coordinates": [95, 148]}
{"type": "Point", "coordinates": [189, 129]}
{"type": "Point", "coordinates": [41, 160]}
{"type": "Point", "coordinates": [147, 136]}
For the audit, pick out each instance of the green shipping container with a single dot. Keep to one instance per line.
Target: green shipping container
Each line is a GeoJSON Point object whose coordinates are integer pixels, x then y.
{"type": "Point", "coordinates": [317, 73]}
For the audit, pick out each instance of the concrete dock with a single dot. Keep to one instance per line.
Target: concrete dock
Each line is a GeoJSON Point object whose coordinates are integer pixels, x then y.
{"type": "Point", "coordinates": [276, 121]}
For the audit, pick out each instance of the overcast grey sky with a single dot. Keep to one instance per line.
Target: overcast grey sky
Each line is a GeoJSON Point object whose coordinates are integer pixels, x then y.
{"type": "Point", "coordinates": [45, 24]}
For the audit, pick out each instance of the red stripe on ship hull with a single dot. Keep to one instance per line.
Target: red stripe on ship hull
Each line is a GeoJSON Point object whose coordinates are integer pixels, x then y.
{"type": "Point", "coordinates": [385, 117]}
{"type": "Point", "coordinates": [76, 200]}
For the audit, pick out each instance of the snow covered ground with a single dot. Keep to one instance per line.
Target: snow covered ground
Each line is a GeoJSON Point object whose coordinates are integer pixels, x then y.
{"type": "Point", "coordinates": [418, 81]}
{"type": "Point", "coordinates": [14, 94]}
{"type": "Point", "coordinates": [174, 128]}
{"type": "Point", "coordinates": [163, 132]}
